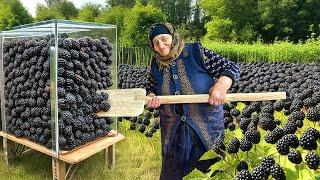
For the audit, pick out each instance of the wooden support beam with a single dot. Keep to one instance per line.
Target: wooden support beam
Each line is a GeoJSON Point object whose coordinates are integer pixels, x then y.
{"type": "Point", "coordinates": [58, 169]}
{"type": "Point", "coordinates": [110, 156]}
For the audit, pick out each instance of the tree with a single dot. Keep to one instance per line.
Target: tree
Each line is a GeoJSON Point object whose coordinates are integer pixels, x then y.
{"type": "Point", "coordinates": [114, 15]}
{"type": "Point", "coordinates": [89, 12]}
{"type": "Point", "coordinates": [177, 11]}
{"type": "Point", "coordinates": [125, 3]}
{"type": "Point", "coordinates": [12, 13]}
{"type": "Point", "coordinates": [56, 9]}
{"type": "Point", "coordinates": [290, 19]}
{"type": "Point", "coordinates": [232, 20]}
{"type": "Point", "coordinates": [137, 23]}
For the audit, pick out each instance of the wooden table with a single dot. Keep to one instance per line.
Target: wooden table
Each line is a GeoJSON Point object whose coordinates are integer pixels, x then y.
{"type": "Point", "coordinates": [10, 142]}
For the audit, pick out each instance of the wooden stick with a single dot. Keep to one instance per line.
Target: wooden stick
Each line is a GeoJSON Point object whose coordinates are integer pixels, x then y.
{"type": "Point", "coordinates": [203, 98]}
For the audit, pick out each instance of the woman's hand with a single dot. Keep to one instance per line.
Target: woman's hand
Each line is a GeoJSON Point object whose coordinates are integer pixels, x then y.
{"type": "Point", "coordinates": [217, 95]}
{"type": "Point", "coordinates": [154, 102]}
{"type": "Point", "coordinates": [218, 92]}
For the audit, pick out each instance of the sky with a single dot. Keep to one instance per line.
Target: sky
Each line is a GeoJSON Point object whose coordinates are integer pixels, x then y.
{"type": "Point", "coordinates": [32, 4]}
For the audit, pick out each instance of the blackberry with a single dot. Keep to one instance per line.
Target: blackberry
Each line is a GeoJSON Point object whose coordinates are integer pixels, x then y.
{"type": "Point", "coordinates": [309, 102]}
{"type": "Point", "coordinates": [231, 126]}
{"type": "Point", "coordinates": [142, 128]}
{"type": "Point", "coordinates": [146, 121]}
{"type": "Point", "coordinates": [290, 127]}
{"type": "Point", "coordinates": [70, 98]}
{"type": "Point", "coordinates": [255, 119]}
{"type": "Point", "coordinates": [296, 104]}
{"type": "Point", "coordinates": [219, 146]}
{"type": "Point", "coordinates": [282, 147]}
{"type": "Point", "coordinates": [266, 164]}
{"type": "Point", "coordinates": [267, 109]}
{"type": "Point", "coordinates": [244, 122]}
{"type": "Point", "coordinates": [273, 136]}
{"type": "Point", "coordinates": [105, 106]}
{"type": "Point", "coordinates": [295, 156]}
{"type": "Point", "coordinates": [314, 132]}
{"type": "Point", "coordinates": [258, 173]}
{"type": "Point", "coordinates": [296, 115]}
{"type": "Point", "coordinates": [291, 139]}
{"type": "Point", "coordinates": [308, 141]}
{"type": "Point", "coordinates": [63, 53]}
{"type": "Point", "coordinates": [132, 126]}
{"type": "Point", "coordinates": [253, 136]}
{"type": "Point", "coordinates": [314, 114]}
{"type": "Point", "coordinates": [267, 123]}
{"type": "Point", "coordinates": [278, 105]}
{"type": "Point", "coordinates": [277, 172]}
{"type": "Point", "coordinates": [234, 112]}
{"type": "Point", "coordinates": [243, 175]}
{"type": "Point", "coordinates": [242, 166]}
{"type": "Point", "coordinates": [233, 146]}
{"type": "Point", "coordinates": [313, 160]}
{"type": "Point", "coordinates": [245, 145]}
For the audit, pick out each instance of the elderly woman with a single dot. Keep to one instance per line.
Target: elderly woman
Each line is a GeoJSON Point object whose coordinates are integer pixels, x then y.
{"type": "Point", "coordinates": [187, 130]}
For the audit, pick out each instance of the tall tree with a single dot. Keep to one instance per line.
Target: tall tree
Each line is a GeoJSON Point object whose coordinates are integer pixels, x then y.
{"type": "Point", "coordinates": [89, 12]}
{"type": "Point", "coordinates": [137, 23]}
{"type": "Point", "coordinates": [62, 9]}
{"type": "Point", "coordinates": [232, 20]}
{"type": "Point", "coordinates": [12, 13]}
{"type": "Point", "coordinates": [292, 19]}
{"type": "Point", "coordinates": [177, 11]}
{"type": "Point", "coordinates": [114, 16]}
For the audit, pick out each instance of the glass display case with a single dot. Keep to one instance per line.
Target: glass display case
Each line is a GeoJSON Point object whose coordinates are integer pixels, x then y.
{"type": "Point", "coordinates": [50, 72]}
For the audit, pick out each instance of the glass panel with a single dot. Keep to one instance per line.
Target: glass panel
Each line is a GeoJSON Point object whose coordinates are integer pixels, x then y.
{"type": "Point", "coordinates": [57, 67]}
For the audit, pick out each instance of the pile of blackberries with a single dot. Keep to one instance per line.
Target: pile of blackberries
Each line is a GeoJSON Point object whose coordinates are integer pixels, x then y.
{"type": "Point", "coordinates": [147, 123]}
{"type": "Point", "coordinates": [134, 77]}
{"type": "Point", "coordinates": [83, 67]}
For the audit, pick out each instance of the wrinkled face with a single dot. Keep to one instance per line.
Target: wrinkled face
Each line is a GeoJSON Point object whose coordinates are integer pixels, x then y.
{"type": "Point", "coordinates": [162, 44]}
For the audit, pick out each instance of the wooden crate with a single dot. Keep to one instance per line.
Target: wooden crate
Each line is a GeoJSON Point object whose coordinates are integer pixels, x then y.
{"type": "Point", "coordinates": [59, 164]}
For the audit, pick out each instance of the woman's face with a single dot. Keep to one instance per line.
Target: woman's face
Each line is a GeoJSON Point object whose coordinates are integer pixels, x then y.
{"type": "Point", "coordinates": [162, 44]}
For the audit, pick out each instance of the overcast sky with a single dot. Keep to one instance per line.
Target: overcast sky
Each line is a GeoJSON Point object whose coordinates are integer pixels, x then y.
{"type": "Point", "coordinates": [32, 4]}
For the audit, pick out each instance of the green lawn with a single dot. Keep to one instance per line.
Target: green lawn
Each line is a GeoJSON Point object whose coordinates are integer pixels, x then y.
{"type": "Point", "coordinates": [137, 157]}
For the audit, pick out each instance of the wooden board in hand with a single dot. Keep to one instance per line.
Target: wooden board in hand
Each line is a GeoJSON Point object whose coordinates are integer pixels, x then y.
{"type": "Point", "coordinates": [130, 102]}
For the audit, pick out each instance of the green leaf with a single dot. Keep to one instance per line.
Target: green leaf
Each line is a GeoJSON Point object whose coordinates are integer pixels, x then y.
{"type": "Point", "coordinates": [208, 155]}
{"type": "Point", "coordinates": [195, 175]}
{"type": "Point", "coordinates": [216, 166]}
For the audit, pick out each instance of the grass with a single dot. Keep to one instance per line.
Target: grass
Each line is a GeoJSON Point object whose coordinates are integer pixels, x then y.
{"type": "Point", "coordinates": [137, 157]}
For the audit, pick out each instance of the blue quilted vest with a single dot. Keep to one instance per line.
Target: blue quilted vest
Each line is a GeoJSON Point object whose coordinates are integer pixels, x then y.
{"type": "Point", "coordinates": [186, 75]}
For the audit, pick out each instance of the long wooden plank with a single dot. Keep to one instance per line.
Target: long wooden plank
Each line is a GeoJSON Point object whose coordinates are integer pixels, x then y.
{"type": "Point", "coordinates": [74, 156]}
{"type": "Point", "coordinates": [28, 143]}
{"type": "Point", "coordinates": [91, 149]}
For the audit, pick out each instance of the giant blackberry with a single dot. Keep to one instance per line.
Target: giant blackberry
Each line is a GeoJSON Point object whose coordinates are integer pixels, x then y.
{"type": "Point", "coordinates": [295, 156]}
{"type": "Point", "coordinates": [282, 147]}
{"type": "Point", "coordinates": [243, 175]}
{"type": "Point", "coordinates": [234, 112]}
{"type": "Point", "coordinates": [245, 145]}
{"type": "Point", "coordinates": [105, 106]}
{"type": "Point", "coordinates": [242, 166]}
{"type": "Point", "coordinates": [233, 145]}
{"type": "Point", "coordinates": [258, 173]}
{"type": "Point", "coordinates": [253, 136]}
{"type": "Point", "coordinates": [278, 106]}
{"type": "Point", "coordinates": [296, 115]}
{"type": "Point", "coordinates": [277, 172]}
{"type": "Point", "coordinates": [308, 140]}
{"type": "Point", "coordinates": [244, 122]}
{"type": "Point", "coordinates": [313, 114]}
{"type": "Point", "coordinates": [273, 136]}
{"type": "Point", "coordinates": [313, 160]}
